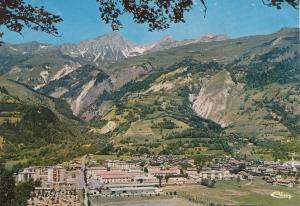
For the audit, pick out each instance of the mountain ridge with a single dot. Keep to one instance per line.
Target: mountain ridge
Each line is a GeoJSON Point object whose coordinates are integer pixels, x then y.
{"type": "Point", "coordinates": [98, 91]}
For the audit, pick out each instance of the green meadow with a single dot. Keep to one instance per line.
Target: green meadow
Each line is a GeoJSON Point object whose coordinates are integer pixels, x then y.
{"type": "Point", "coordinates": [256, 193]}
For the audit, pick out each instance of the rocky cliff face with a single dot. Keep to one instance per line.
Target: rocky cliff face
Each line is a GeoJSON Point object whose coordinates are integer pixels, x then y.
{"type": "Point", "coordinates": [218, 96]}
{"type": "Point", "coordinates": [88, 87]}
{"type": "Point", "coordinates": [100, 95]}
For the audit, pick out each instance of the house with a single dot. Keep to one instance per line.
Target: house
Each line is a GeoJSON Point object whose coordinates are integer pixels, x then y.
{"type": "Point", "coordinates": [245, 176]}
{"type": "Point", "coordinates": [93, 171]}
{"type": "Point", "coordinates": [133, 190]}
{"type": "Point", "coordinates": [35, 173]}
{"type": "Point", "coordinates": [284, 168]}
{"type": "Point", "coordinates": [25, 176]}
{"type": "Point", "coordinates": [74, 165]}
{"type": "Point", "coordinates": [146, 180]}
{"type": "Point", "coordinates": [269, 179]}
{"type": "Point", "coordinates": [120, 165]}
{"type": "Point", "coordinates": [56, 174]}
{"type": "Point", "coordinates": [215, 174]}
{"type": "Point", "coordinates": [297, 168]}
{"type": "Point", "coordinates": [163, 172]}
{"type": "Point", "coordinates": [114, 177]}
{"type": "Point", "coordinates": [42, 173]}
{"type": "Point", "coordinates": [284, 182]}
{"type": "Point", "coordinates": [136, 171]}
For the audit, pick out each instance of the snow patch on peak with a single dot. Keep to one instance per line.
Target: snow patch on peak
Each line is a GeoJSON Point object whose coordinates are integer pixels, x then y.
{"type": "Point", "coordinates": [43, 46]}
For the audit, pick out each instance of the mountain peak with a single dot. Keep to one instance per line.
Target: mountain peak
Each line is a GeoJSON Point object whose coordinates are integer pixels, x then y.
{"type": "Point", "coordinates": [113, 36]}
{"type": "Point", "coordinates": [213, 37]}
{"type": "Point", "coordinates": [167, 38]}
{"type": "Point", "coordinates": [166, 42]}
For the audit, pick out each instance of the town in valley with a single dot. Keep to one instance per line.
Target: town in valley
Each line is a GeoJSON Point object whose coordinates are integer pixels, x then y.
{"type": "Point", "coordinates": [149, 103]}
{"type": "Point", "coordinates": [155, 176]}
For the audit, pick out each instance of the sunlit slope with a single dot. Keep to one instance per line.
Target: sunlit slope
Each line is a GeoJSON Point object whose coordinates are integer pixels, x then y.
{"type": "Point", "coordinates": [248, 86]}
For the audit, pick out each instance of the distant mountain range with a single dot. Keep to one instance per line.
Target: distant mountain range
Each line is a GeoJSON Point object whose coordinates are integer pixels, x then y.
{"type": "Point", "coordinates": [110, 47]}
{"type": "Point", "coordinates": [41, 65]}
{"type": "Point", "coordinates": [113, 47]}
{"type": "Point", "coordinates": [247, 86]}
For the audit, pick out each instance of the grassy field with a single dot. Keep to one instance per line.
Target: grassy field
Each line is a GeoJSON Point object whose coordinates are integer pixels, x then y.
{"type": "Point", "coordinates": [9, 164]}
{"type": "Point", "coordinates": [256, 192]}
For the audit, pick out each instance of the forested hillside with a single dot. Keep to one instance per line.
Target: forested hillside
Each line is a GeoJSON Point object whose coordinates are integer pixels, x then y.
{"type": "Point", "coordinates": [33, 126]}
{"type": "Point", "coordinates": [185, 97]}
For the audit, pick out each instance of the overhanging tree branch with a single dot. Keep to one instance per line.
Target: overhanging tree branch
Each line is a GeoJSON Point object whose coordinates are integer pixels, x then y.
{"type": "Point", "coordinates": [16, 14]}
{"type": "Point", "coordinates": [278, 3]}
{"type": "Point", "coordinates": [157, 14]}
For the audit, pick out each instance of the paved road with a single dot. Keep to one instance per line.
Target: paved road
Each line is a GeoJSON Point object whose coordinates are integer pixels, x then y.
{"type": "Point", "coordinates": [85, 188]}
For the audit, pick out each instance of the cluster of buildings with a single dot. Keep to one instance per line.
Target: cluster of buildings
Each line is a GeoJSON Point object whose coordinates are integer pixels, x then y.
{"type": "Point", "coordinates": [51, 177]}
{"type": "Point", "coordinates": [168, 159]}
{"type": "Point", "coordinates": [131, 178]}
{"type": "Point", "coordinates": [277, 173]}
{"type": "Point", "coordinates": [278, 180]}
{"type": "Point", "coordinates": [273, 172]}
{"type": "Point", "coordinates": [61, 183]}
{"type": "Point", "coordinates": [272, 168]}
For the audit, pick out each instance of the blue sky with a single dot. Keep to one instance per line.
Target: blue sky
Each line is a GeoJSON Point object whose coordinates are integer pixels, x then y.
{"type": "Point", "coordinates": [233, 17]}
